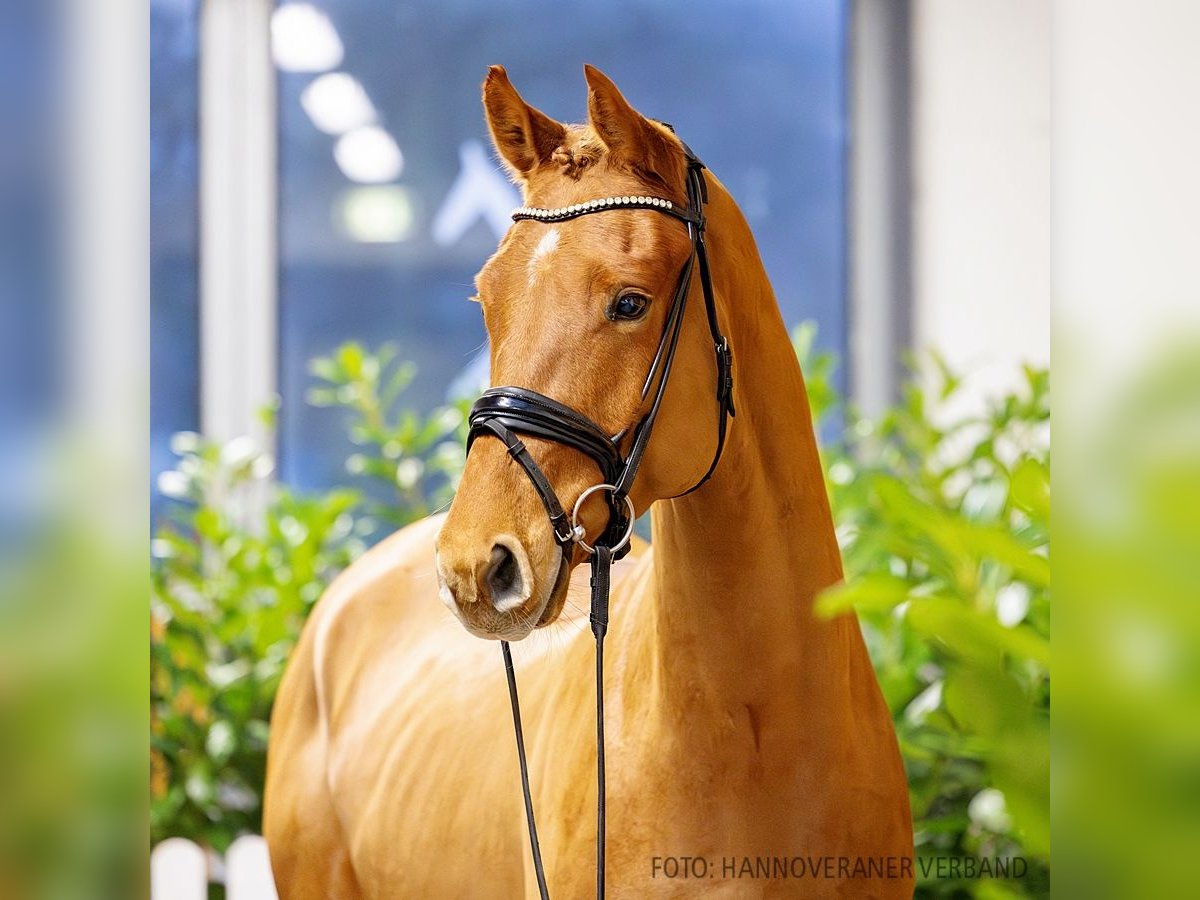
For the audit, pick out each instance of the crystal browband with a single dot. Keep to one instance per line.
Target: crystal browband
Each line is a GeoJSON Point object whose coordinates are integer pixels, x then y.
{"type": "Point", "coordinates": [558, 214]}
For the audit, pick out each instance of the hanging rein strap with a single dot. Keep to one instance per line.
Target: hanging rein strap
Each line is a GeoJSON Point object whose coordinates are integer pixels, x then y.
{"type": "Point", "coordinates": [506, 412]}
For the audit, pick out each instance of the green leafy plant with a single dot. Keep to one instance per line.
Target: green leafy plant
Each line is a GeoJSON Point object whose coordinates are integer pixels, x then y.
{"type": "Point", "coordinates": [239, 564]}
{"type": "Point", "coordinates": [418, 457]}
{"type": "Point", "coordinates": [235, 574]}
{"type": "Point", "coordinates": [943, 513]}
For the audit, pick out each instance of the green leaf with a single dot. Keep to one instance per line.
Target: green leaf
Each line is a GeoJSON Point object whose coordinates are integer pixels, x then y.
{"type": "Point", "coordinates": [973, 635]}
{"type": "Point", "coordinates": [1031, 488]}
{"type": "Point", "coordinates": [325, 368]}
{"type": "Point", "coordinates": [321, 397]}
{"type": "Point", "coordinates": [876, 592]}
{"type": "Point", "coordinates": [350, 358]}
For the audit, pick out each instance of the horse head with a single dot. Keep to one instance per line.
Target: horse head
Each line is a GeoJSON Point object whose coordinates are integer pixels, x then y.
{"type": "Point", "coordinates": [576, 308]}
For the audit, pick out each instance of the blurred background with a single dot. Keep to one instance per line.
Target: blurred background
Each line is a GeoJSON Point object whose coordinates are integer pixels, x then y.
{"type": "Point", "coordinates": [373, 195]}
{"type": "Point", "coordinates": [339, 154]}
{"type": "Point", "coordinates": [323, 191]}
{"type": "Point", "coordinates": [930, 183]}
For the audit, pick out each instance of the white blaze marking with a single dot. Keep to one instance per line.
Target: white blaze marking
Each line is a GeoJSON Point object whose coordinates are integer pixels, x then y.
{"type": "Point", "coordinates": [545, 247]}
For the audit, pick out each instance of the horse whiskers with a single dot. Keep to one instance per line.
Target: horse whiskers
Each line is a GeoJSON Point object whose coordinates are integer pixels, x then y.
{"type": "Point", "coordinates": [525, 620]}
{"type": "Point", "coordinates": [441, 509]}
{"type": "Point", "coordinates": [584, 613]}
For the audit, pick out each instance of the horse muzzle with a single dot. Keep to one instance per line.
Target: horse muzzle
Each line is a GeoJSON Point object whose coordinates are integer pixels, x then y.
{"type": "Point", "coordinates": [494, 588]}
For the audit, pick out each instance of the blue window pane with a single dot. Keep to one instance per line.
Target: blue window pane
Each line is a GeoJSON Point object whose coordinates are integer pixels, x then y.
{"type": "Point", "coordinates": [31, 295]}
{"type": "Point", "coordinates": [756, 88]}
{"type": "Point", "coordinates": [174, 316]}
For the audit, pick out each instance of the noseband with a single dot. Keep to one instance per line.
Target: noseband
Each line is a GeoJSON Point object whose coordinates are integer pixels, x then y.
{"type": "Point", "coordinates": [506, 412]}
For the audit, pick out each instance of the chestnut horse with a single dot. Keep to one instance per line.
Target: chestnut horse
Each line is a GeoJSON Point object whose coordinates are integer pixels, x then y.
{"type": "Point", "coordinates": [744, 732]}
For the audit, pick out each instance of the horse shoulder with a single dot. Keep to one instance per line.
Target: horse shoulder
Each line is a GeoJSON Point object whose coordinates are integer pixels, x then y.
{"type": "Point", "coordinates": [389, 584]}
{"type": "Point", "coordinates": [379, 603]}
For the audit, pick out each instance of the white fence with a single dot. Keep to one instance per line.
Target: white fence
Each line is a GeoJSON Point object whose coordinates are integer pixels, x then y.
{"type": "Point", "coordinates": [181, 870]}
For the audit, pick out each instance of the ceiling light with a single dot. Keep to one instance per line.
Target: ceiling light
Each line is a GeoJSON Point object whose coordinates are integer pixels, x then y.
{"type": "Point", "coordinates": [304, 40]}
{"type": "Point", "coordinates": [368, 155]}
{"type": "Point", "coordinates": [337, 103]}
{"type": "Point", "coordinates": [376, 215]}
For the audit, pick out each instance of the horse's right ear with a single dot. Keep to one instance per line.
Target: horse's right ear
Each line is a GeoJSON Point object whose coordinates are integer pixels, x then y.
{"type": "Point", "coordinates": [524, 137]}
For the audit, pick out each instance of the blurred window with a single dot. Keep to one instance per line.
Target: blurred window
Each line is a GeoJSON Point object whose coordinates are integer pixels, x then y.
{"type": "Point", "coordinates": [174, 297]}
{"type": "Point", "coordinates": [31, 293]}
{"type": "Point", "coordinates": [391, 200]}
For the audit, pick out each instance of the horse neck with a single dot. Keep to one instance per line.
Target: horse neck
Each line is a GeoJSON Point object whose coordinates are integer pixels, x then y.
{"type": "Point", "coordinates": [739, 562]}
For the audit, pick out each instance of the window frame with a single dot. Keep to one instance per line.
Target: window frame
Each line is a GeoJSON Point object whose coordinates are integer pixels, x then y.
{"type": "Point", "coordinates": [239, 220]}
{"type": "Point", "coordinates": [239, 214]}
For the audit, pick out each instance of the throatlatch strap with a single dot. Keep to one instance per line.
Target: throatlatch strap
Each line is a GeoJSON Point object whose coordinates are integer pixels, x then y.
{"type": "Point", "coordinates": [725, 410]}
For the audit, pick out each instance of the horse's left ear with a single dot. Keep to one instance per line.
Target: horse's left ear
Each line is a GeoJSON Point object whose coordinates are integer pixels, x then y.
{"type": "Point", "coordinates": [631, 138]}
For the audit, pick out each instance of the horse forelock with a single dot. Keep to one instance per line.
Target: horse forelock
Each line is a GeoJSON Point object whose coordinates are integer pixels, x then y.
{"type": "Point", "coordinates": [581, 150]}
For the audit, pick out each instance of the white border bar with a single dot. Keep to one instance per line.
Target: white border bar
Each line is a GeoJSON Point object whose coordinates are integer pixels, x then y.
{"type": "Point", "coordinates": [880, 245]}
{"type": "Point", "coordinates": [238, 218]}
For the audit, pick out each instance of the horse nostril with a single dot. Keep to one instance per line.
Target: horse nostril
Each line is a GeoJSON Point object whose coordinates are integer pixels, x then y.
{"type": "Point", "coordinates": [503, 570]}
{"type": "Point", "coordinates": [504, 579]}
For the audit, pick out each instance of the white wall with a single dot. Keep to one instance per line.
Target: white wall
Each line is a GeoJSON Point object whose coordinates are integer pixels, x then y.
{"type": "Point", "coordinates": [981, 183]}
{"type": "Point", "coordinates": [1127, 183]}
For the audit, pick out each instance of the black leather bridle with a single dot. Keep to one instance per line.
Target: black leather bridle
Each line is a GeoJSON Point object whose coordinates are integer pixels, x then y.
{"type": "Point", "coordinates": [506, 412]}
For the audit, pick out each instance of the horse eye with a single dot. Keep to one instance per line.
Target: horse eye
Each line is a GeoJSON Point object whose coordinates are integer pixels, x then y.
{"type": "Point", "coordinates": [629, 306]}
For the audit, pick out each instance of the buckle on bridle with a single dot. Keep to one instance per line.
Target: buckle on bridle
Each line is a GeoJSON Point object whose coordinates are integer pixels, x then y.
{"type": "Point", "coordinates": [725, 374]}
{"type": "Point", "coordinates": [566, 533]}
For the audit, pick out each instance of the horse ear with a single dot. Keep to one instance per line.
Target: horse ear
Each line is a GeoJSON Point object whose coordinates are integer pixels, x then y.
{"type": "Point", "coordinates": [630, 137]}
{"type": "Point", "coordinates": [524, 137]}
